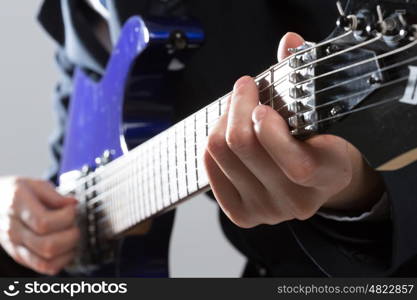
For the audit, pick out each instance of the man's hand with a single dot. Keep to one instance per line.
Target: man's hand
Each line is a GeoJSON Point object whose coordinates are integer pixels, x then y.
{"type": "Point", "coordinates": [37, 227]}
{"type": "Point", "coordinates": [260, 174]}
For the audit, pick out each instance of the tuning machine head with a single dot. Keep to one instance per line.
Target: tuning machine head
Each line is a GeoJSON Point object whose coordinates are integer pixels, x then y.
{"type": "Point", "coordinates": [393, 28]}
{"type": "Point", "coordinates": [346, 22]}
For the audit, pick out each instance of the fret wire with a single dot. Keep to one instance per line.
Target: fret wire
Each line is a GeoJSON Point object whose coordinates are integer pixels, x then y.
{"type": "Point", "coordinates": [271, 89]}
{"type": "Point", "coordinates": [190, 148]}
{"type": "Point", "coordinates": [138, 174]}
{"type": "Point", "coordinates": [147, 166]}
{"type": "Point", "coordinates": [154, 175]}
{"type": "Point", "coordinates": [122, 210]}
{"type": "Point", "coordinates": [142, 189]}
{"type": "Point", "coordinates": [145, 182]}
{"type": "Point", "coordinates": [138, 179]}
{"type": "Point", "coordinates": [185, 159]}
{"type": "Point", "coordinates": [160, 175]}
{"type": "Point", "coordinates": [136, 188]}
{"type": "Point", "coordinates": [154, 198]}
{"type": "Point", "coordinates": [195, 149]}
{"type": "Point", "coordinates": [104, 206]}
{"type": "Point", "coordinates": [126, 202]}
{"type": "Point", "coordinates": [168, 172]}
{"type": "Point", "coordinates": [147, 185]}
{"type": "Point", "coordinates": [127, 196]}
{"type": "Point", "coordinates": [207, 132]}
{"type": "Point", "coordinates": [176, 164]}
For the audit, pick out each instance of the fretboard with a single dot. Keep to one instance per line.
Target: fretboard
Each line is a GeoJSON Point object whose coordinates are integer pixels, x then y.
{"type": "Point", "coordinates": [168, 168]}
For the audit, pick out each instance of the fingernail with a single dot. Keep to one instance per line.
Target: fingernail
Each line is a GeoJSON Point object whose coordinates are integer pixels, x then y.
{"type": "Point", "coordinates": [259, 113]}
{"type": "Point", "coordinates": [241, 82]}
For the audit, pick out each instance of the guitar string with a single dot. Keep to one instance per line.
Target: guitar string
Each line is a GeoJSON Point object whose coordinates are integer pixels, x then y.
{"type": "Point", "coordinates": [130, 222]}
{"type": "Point", "coordinates": [147, 180]}
{"type": "Point", "coordinates": [278, 65]}
{"type": "Point", "coordinates": [318, 106]}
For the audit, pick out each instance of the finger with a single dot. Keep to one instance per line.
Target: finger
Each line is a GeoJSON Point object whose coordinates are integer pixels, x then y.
{"type": "Point", "coordinates": [48, 195]}
{"type": "Point", "coordinates": [236, 172]}
{"type": "Point", "coordinates": [294, 157]}
{"type": "Point", "coordinates": [41, 265]}
{"type": "Point", "coordinates": [239, 132]}
{"type": "Point", "coordinates": [40, 219]}
{"type": "Point", "coordinates": [242, 139]}
{"type": "Point", "coordinates": [226, 194]}
{"type": "Point", "coordinates": [288, 41]}
{"type": "Point", "coordinates": [49, 246]}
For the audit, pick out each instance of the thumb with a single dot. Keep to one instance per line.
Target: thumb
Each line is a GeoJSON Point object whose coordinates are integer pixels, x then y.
{"type": "Point", "coordinates": [288, 41]}
{"type": "Point", "coordinates": [47, 194]}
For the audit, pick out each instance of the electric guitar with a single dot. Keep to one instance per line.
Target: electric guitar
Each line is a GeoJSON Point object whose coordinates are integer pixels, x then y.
{"type": "Point", "coordinates": [355, 85]}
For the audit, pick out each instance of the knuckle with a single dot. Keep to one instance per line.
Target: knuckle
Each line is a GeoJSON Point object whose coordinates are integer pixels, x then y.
{"type": "Point", "coordinates": [274, 216]}
{"type": "Point", "coordinates": [19, 181]}
{"type": "Point", "coordinates": [40, 225]}
{"type": "Point", "coordinates": [12, 235]}
{"type": "Point", "coordinates": [75, 236]}
{"type": "Point", "coordinates": [43, 184]}
{"type": "Point", "coordinates": [52, 270]}
{"type": "Point", "coordinates": [303, 172]}
{"type": "Point", "coordinates": [240, 140]}
{"type": "Point", "coordinates": [216, 143]}
{"type": "Point", "coordinates": [242, 220]}
{"type": "Point", "coordinates": [18, 191]}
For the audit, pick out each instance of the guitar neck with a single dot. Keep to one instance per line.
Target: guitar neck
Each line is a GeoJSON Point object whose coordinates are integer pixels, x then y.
{"type": "Point", "coordinates": [167, 169]}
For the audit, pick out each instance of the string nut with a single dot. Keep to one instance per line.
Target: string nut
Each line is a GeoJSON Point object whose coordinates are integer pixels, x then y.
{"type": "Point", "coordinates": [296, 77]}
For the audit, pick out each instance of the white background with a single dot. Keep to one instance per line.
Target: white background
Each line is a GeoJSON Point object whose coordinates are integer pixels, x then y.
{"type": "Point", "coordinates": [27, 78]}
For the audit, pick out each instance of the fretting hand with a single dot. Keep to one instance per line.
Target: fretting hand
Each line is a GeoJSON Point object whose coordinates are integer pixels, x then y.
{"type": "Point", "coordinates": [260, 174]}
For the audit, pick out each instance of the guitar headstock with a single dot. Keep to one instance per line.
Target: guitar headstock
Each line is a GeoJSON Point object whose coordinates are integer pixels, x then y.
{"type": "Point", "coordinates": [360, 83]}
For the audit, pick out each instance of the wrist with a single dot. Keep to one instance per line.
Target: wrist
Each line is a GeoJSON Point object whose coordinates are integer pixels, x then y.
{"type": "Point", "coordinates": [364, 190]}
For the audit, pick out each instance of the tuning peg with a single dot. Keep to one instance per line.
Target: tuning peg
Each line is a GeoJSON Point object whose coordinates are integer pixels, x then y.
{"type": "Point", "coordinates": [346, 22]}
{"type": "Point", "coordinates": [379, 13]}
{"type": "Point", "coordinates": [340, 9]}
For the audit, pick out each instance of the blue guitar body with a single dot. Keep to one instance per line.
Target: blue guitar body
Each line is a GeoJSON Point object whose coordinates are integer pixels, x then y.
{"type": "Point", "coordinates": [120, 111]}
